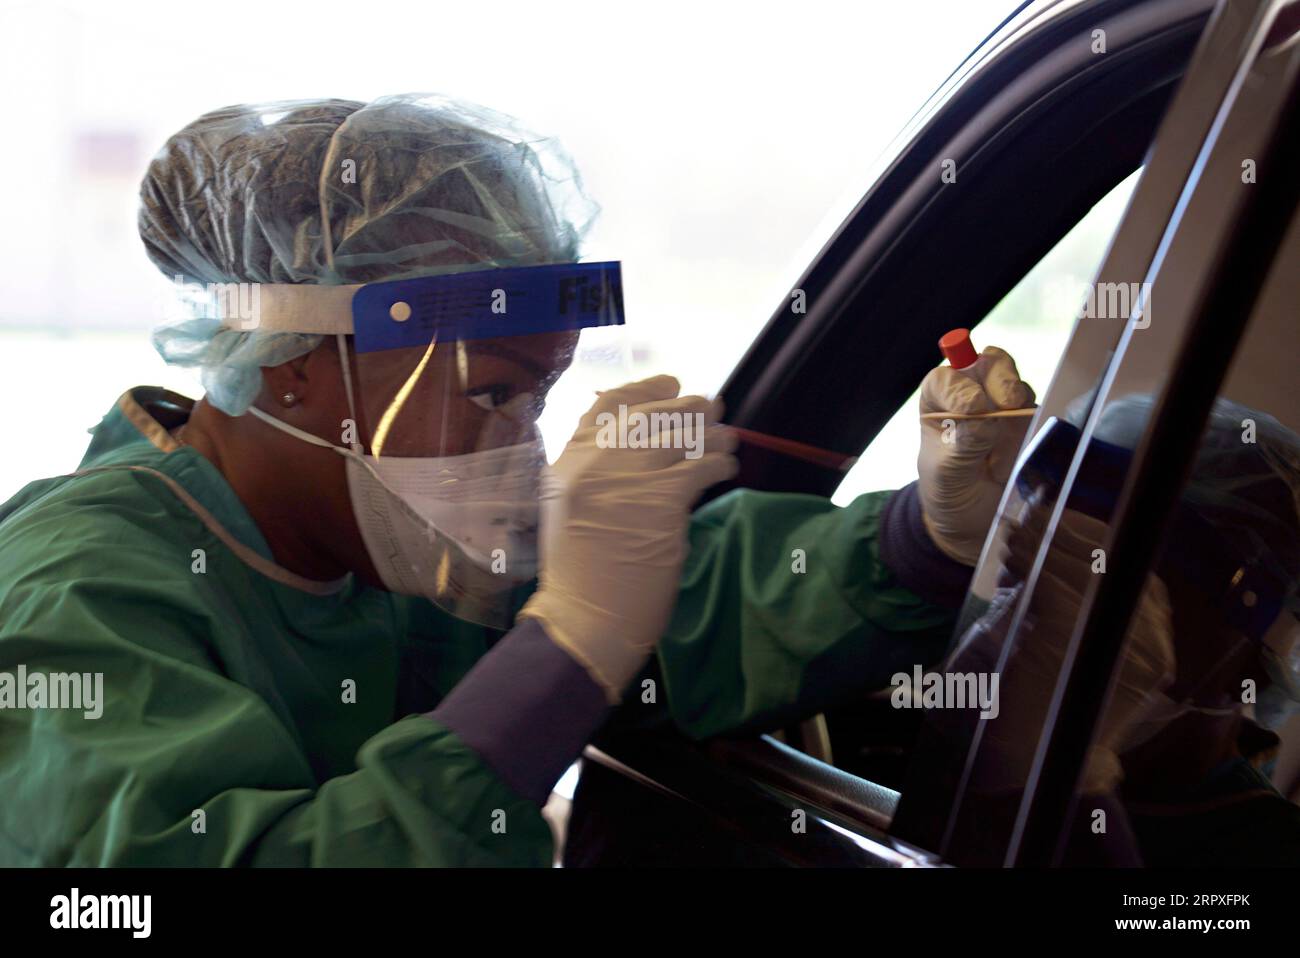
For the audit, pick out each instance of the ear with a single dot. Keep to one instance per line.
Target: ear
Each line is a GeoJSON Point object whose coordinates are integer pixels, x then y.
{"type": "Point", "coordinates": [288, 383]}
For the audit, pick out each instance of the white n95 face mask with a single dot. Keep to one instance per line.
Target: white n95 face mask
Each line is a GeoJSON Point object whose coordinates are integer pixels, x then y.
{"type": "Point", "coordinates": [487, 502]}
{"type": "Point", "coordinates": [457, 530]}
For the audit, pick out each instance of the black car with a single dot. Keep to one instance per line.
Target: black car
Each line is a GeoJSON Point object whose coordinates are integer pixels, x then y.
{"type": "Point", "coordinates": [1192, 317]}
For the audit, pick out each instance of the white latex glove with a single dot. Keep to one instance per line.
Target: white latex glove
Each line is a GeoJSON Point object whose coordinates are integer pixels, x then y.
{"type": "Point", "coordinates": [964, 463]}
{"type": "Point", "coordinates": [613, 532]}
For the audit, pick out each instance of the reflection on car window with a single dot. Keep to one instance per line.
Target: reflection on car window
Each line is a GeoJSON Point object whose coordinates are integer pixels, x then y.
{"type": "Point", "coordinates": [1195, 756]}
{"type": "Point", "coordinates": [1201, 735]}
{"type": "Point", "coordinates": [1032, 322]}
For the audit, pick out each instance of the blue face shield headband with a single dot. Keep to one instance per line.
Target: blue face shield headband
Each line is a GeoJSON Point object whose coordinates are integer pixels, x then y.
{"type": "Point", "coordinates": [478, 304]}
{"type": "Point", "coordinates": [487, 304]}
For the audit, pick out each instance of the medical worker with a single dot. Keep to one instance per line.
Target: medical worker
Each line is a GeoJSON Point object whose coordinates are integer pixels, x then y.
{"type": "Point", "coordinates": [343, 612]}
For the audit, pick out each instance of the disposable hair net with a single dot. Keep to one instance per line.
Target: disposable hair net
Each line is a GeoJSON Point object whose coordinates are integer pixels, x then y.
{"type": "Point", "coordinates": [337, 192]}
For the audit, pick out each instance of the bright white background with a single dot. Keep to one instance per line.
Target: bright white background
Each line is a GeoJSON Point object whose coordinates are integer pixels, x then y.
{"type": "Point", "coordinates": [723, 140]}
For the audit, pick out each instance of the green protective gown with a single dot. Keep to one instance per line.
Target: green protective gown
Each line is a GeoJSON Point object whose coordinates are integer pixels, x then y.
{"type": "Point", "coordinates": [250, 717]}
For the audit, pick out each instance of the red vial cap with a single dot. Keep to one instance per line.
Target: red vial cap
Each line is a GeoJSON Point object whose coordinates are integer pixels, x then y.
{"type": "Point", "coordinates": [958, 349]}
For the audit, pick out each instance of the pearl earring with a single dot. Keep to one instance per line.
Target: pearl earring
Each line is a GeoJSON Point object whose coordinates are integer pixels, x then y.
{"type": "Point", "coordinates": [288, 399]}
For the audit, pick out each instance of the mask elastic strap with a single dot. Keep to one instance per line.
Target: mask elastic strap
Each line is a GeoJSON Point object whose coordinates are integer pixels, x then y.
{"type": "Point", "coordinates": [305, 436]}
{"type": "Point", "coordinates": [347, 386]}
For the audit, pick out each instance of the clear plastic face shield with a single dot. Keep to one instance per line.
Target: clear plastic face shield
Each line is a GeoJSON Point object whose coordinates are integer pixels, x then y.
{"type": "Point", "coordinates": [447, 377]}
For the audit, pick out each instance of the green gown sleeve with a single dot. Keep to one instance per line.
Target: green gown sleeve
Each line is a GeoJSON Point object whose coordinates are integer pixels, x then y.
{"type": "Point", "coordinates": [176, 736]}
{"type": "Point", "coordinates": [785, 611]}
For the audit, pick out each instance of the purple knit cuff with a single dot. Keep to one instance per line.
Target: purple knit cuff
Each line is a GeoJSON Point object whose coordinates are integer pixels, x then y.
{"type": "Point", "coordinates": [527, 708]}
{"type": "Point", "coordinates": [909, 552]}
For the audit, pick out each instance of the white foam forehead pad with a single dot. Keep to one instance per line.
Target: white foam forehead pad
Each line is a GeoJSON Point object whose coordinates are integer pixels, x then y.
{"type": "Point", "coordinates": [297, 308]}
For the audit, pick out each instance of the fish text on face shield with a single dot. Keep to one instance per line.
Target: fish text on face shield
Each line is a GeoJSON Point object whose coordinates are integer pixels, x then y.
{"type": "Point", "coordinates": [656, 430]}
{"type": "Point", "coordinates": [604, 297]}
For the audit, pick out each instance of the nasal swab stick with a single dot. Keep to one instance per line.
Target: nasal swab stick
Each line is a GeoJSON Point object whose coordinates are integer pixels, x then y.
{"type": "Point", "coordinates": [997, 414]}
{"type": "Point", "coordinates": [825, 458]}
